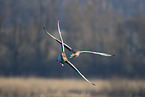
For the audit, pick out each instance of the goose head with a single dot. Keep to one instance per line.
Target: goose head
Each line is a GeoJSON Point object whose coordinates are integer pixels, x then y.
{"type": "Point", "coordinates": [74, 53]}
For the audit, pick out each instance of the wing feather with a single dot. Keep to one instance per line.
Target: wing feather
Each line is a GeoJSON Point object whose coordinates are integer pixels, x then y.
{"type": "Point", "coordinates": [60, 37]}
{"type": "Point", "coordinates": [65, 45]}
{"type": "Point", "coordinates": [98, 53]}
{"type": "Point", "coordinates": [68, 62]}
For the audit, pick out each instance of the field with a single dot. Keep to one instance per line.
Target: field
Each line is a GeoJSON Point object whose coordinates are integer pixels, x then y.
{"type": "Point", "coordinates": [43, 87]}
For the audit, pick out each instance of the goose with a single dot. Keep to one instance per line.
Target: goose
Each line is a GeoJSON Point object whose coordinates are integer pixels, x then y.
{"type": "Point", "coordinates": [76, 53]}
{"type": "Point", "coordinates": [62, 58]}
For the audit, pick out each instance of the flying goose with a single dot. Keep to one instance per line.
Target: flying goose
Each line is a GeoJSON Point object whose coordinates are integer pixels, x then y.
{"type": "Point", "coordinates": [62, 58]}
{"type": "Point", "coordinates": [76, 53]}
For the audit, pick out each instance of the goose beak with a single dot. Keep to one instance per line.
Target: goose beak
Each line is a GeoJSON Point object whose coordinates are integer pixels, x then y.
{"type": "Point", "coordinates": [71, 56]}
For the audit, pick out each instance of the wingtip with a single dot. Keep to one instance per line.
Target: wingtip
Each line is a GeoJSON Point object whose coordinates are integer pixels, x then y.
{"type": "Point", "coordinates": [43, 28]}
{"type": "Point", "coordinates": [113, 55]}
{"type": "Point", "coordinates": [58, 26]}
{"type": "Point", "coordinates": [58, 21]}
{"type": "Point", "coordinates": [93, 84]}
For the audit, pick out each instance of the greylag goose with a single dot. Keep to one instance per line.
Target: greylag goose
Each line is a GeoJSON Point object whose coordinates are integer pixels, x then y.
{"type": "Point", "coordinates": [62, 58]}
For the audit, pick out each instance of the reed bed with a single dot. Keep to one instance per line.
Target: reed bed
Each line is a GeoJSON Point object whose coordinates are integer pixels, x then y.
{"type": "Point", "coordinates": [51, 87]}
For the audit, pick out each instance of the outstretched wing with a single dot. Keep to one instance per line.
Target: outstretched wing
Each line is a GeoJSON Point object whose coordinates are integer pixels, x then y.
{"type": "Point", "coordinates": [65, 45]}
{"type": "Point", "coordinates": [62, 44]}
{"type": "Point", "coordinates": [98, 53]}
{"type": "Point", "coordinates": [70, 64]}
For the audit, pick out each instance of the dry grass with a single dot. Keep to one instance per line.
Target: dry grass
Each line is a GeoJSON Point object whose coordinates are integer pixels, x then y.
{"type": "Point", "coordinates": [41, 87]}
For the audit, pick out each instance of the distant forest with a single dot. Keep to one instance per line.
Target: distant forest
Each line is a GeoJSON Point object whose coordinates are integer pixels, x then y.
{"type": "Point", "coordinates": [110, 26]}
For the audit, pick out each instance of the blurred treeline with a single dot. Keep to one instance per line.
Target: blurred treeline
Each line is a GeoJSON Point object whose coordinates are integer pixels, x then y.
{"type": "Point", "coordinates": [110, 26]}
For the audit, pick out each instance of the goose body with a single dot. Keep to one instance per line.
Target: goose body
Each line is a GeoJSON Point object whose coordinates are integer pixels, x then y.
{"type": "Point", "coordinates": [62, 58]}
